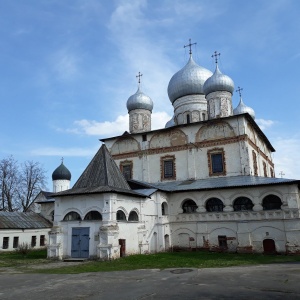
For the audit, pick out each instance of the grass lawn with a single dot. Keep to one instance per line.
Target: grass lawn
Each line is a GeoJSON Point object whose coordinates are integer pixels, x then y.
{"type": "Point", "coordinates": [15, 259]}
{"type": "Point", "coordinates": [199, 259]}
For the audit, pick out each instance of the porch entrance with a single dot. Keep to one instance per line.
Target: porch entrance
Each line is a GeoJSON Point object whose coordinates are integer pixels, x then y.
{"type": "Point", "coordinates": [80, 242]}
{"type": "Point", "coordinates": [269, 246]}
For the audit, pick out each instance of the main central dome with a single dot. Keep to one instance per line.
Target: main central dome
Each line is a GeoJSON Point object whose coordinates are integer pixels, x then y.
{"type": "Point", "coordinates": [188, 81]}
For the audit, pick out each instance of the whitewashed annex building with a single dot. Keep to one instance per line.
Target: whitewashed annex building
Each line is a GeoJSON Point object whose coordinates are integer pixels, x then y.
{"type": "Point", "coordinates": [205, 181]}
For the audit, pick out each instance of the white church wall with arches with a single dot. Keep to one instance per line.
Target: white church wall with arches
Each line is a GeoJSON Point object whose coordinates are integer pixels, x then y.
{"type": "Point", "coordinates": [205, 181]}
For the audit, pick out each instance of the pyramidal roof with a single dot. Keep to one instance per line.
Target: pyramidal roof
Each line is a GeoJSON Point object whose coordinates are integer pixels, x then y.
{"type": "Point", "coordinates": [102, 171]}
{"type": "Point", "coordinates": [101, 175]}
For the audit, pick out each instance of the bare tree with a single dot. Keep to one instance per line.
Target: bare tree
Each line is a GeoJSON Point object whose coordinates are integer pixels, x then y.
{"type": "Point", "coordinates": [9, 181]}
{"type": "Point", "coordinates": [32, 181]}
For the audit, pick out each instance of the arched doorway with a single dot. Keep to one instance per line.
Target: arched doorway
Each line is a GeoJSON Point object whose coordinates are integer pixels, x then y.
{"type": "Point", "coordinates": [269, 246]}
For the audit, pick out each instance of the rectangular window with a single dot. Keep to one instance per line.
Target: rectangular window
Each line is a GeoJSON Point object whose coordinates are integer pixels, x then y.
{"type": "Point", "coordinates": [168, 168]}
{"type": "Point", "coordinates": [144, 137]}
{"type": "Point", "coordinates": [127, 171]}
{"type": "Point", "coordinates": [217, 163]}
{"type": "Point", "coordinates": [16, 242]}
{"type": "Point", "coordinates": [42, 240]}
{"type": "Point", "coordinates": [33, 241]}
{"type": "Point", "coordinates": [5, 242]}
{"type": "Point", "coordinates": [255, 168]}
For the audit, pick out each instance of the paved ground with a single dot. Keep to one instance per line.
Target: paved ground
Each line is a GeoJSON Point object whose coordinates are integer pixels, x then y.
{"type": "Point", "coordinates": [276, 281]}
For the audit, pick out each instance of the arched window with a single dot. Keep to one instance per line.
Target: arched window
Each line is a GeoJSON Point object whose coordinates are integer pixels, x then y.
{"type": "Point", "coordinates": [271, 202]}
{"type": "Point", "coordinates": [164, 208]}
{"type": "Point", "coordinates": [214, 204]}
{"type": "Point", "coordinates": [72, 216]}
{"type": "Point", "coordinates": [242, 203]}
{"type": "Point", "coordinates": [133, 216]}
{"type": "Point", "coordinates": [52, 215]}
{"type": "Point", "coordinates": [121, 216]}
{"type": "Point", "coordinates": [188, 119]}
{"type": "Point", "coordinates": [93, 215]}
{"type": "Point", "coordinates": [189, 206]}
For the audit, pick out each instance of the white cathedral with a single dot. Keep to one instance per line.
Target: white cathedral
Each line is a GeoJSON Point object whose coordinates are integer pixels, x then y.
{"type": "Point", "coordinates": [205, 181]}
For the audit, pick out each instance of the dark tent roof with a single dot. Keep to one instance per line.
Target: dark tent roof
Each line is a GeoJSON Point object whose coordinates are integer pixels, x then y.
{"type": "Point", "coordinates": [101, 175]}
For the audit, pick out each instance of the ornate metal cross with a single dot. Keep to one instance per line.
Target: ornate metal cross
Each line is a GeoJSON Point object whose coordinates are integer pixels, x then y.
{"type": "Point", "coordinates": [190, 45]}
{"type": "Point", "coordinates": [216, 54]}
{"type": "Point", "coordinates": [139, 76]}
{"type": "Point", "coordinates": [239, 90]}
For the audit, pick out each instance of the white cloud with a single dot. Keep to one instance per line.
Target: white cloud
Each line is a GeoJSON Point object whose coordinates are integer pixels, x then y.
{"type": "Point", "coordinates": [159, 120]}
{"type": "Point", "coordinates": [264, 124]}
{"type": "Point", "coordinates": [52, 151]}
{"type": "Point", "coordinates": [91, 127]}
{"type": "Point", "coordinates": [114, 128]}
{"type": "Point", "coordinates": [287, 157]}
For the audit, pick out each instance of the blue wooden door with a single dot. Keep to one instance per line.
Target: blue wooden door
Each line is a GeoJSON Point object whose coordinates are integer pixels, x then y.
{"type": "Point", "coordinates": [80, 242]}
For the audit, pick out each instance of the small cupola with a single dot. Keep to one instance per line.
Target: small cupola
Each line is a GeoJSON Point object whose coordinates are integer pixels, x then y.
{"type": "Point", "coordinates": [139, 108]}
{"type": "Point", "coordinates": [242, 108]}
{"type": "Point", "coordinates": [61, 178]}
{"type": "Point", "coordinates": [218, 91]}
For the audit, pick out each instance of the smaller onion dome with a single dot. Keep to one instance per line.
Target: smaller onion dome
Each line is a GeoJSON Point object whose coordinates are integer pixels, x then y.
{"type": "Point", "coordinates": [61, 173]}
{"type": "Point", "coordinates": [242, 108]}
{"type": "Point", "coordinates": [218, 82]}
{"type": "Point", "coordinates": [170, 123]}
{"type": "Point", "coordinates": [188, 81]}
{"type": "Point", "coordinates": [139, 101]}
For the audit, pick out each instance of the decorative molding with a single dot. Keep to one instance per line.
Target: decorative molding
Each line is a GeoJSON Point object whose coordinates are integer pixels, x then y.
{"type": "Point", "coordinates": [187, 146]}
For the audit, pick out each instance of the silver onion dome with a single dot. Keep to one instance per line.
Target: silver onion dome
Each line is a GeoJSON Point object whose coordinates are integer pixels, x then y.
{"type": "Point", "coordinates": [218, 82]}
{"type": "Point", "coordinates": [242, 108]}
{"type": "Point", "coordinates": [188, 81]}
{"type": "Point", "coordinates": [170, 123]}
{"type": "Point", "coordinates": [139, 101]}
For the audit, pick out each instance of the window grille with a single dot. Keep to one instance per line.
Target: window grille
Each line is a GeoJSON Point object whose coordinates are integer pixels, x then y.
{"type": "Point", "coordinates": [168, 168]}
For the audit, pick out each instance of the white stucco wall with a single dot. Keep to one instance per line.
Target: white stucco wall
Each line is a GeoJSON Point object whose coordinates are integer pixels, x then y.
{"type": "Point", "coordinates": [25, 237]}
